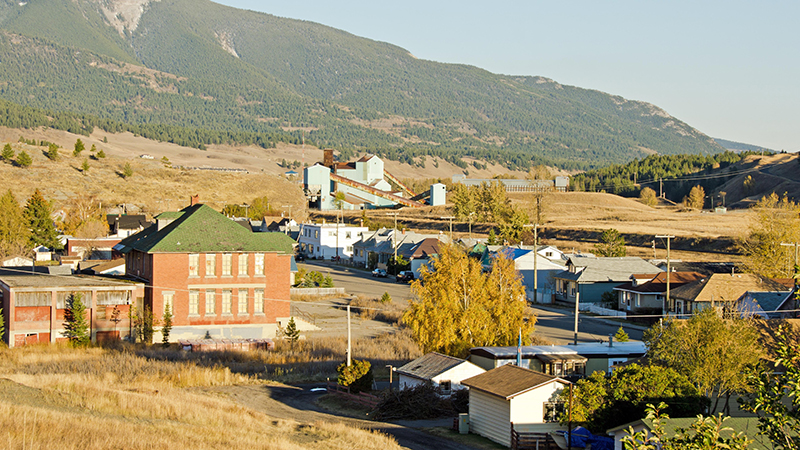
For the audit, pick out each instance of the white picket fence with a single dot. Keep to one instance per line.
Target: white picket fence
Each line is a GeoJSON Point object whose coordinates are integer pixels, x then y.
{"type": "Point", "coordinates": [600, 311]}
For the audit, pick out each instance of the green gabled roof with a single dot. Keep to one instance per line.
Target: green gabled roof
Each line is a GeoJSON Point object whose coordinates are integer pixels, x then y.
{"type": "Point", "coordinates": [199, 229]}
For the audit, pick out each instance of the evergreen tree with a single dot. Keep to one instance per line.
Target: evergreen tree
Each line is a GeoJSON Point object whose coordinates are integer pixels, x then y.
{"type": "Point", "coordinates": [14, 232]}
{"type": "Point", "coordinates": [85, 166]}
{"type": "Point", "coordinates": [8, 152]}
{"type": "Point", "coordinates": [79, 147]}
{"type": "Point", "coordinates": [52, 152]}
{"type": "Point", "coordinates": [24, 159]}
{"type": "Point", "coordinates": [101, 154]}
{"type": "Point", "coordinates": [93, 149]}
{"type": "Point", "coordinates": [291, 332]}
{"type": "Point", "coordinates": [612, 244]}
{"type": "Point", "coordinates": [386, 298]}
{"type": "Point", "coordinates": [166, 327]}
{"type": "Point", "coordinates": [621, 335]}
{"type": "Point", "coordinates": [127, 170]}
{"type": "Point", "coordinates": [43, 230]}
{"type": "Point", "coordinates": [76, 330]}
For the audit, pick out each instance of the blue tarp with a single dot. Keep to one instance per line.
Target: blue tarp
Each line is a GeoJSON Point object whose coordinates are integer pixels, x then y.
{"type": "Point", "coordinates": [582, 437]}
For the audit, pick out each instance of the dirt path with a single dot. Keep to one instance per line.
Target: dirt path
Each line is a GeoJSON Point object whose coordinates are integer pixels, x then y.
{"type": "Point", "coordinates": [298, 403]}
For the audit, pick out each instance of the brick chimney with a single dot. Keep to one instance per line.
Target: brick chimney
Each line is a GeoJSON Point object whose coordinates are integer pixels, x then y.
{"type": "Point", "coordinates": [194, 200]}
{"type": "Point", "coordinates": [327, 159]}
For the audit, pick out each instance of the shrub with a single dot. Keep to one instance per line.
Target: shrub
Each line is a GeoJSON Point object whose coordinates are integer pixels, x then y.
{"type": "Point", "coordinates": [358, 376]}
{"type": "Point", "coordinates": [420, 402]}
{"type": "Point", "coordinates": [386, 298]}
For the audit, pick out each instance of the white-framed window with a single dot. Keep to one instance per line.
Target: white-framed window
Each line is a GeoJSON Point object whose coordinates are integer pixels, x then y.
{"type": "Point", "coordinates": [243, 264]}
{"type": "Point", "coordinates": [168, 297]}
{"type": "Point", "coordinates": [226, 301]}
{"type": "Point", "coordinates": [258, 301]}
{"type": "Point", "coordinates": [194, 303]}
{"type": "Point", "coordinates": [211, 264]}
{"type": "Point", "coordinates": [194, 265]}
{"type": "Point", "coordinates": [241, 302]}
{"type": "Point", "coordinates": [227, 260]}
{"type": "Point", "coordinates": [259, 264]}
{"type": "Point", "coordinates": [211, 303]}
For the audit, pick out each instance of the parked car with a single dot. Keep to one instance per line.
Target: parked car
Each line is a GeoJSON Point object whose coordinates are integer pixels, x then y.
{"type": "Point", "coordinates": [405, 276]}
{"type": "Point", "coordinates": [379, 273]}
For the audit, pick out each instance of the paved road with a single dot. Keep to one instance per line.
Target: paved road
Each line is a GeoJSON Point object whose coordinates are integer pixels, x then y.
{"type": "Point", "coordinates": [298, 403]}
{"type": "Point", "coordinates": [356, 281]}
{"type": "Point", "coordinates": [557, 326]}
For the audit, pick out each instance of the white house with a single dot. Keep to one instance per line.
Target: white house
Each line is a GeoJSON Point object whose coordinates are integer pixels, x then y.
{"type": "Point", "coordinates": [512, 395]}
{"type": "Point", "coordinates": [445, 372]}
{"type": "Point", "coordinates": [328, 240]}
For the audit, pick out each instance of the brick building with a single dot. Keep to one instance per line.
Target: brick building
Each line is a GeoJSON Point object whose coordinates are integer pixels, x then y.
{"type": "Point", "coordinates": [220, 278]}
{"type": "Point", "coordinates": [33, 305]}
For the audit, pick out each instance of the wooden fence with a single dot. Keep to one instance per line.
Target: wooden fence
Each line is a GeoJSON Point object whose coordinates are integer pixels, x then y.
{"type": "Point", "coordinates": [362, 398]}
{"type": "Point", "coordinates": [521, 440]}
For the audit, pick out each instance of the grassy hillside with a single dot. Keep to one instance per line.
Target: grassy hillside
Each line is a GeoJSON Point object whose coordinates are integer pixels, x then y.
{"type": "Point", "coordinates": [56, 397]}
{"type": "Point", "coordinates": [198, 65]}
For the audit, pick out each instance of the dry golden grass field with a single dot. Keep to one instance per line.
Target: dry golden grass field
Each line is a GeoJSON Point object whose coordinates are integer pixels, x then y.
{"type": "Point", "coordinates": [58, 397]}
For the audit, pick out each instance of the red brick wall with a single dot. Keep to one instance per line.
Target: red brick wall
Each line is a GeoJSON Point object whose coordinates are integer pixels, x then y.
{"type": "Point", "coordinates": [171, 273]}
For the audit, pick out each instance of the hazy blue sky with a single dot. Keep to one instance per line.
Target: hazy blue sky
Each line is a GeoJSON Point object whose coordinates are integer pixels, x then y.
{"type": "Point", "coordinates": [729, 68]}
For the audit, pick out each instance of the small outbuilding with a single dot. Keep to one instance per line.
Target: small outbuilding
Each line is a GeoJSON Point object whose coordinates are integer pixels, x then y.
{"type": "Point", "coordinates": [512, 396]}
{"type": "Point", "coordinates": [444, 372]}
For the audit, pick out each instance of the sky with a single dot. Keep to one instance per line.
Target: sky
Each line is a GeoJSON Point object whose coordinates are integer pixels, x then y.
{"type": "Point", "coordinates": [731, 69]}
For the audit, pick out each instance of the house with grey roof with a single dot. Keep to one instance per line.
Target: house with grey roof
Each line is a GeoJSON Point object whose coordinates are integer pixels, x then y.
{"type": "Point", "coordinates": [587, 278]}
{"type": "Point", "coordinates": [767, 305]}
{"type": "Point", "coordinates": [444, 372]}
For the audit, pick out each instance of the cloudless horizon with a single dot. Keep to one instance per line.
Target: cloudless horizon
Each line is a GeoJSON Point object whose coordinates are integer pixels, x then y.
{"type": "Point", "coordinates": [729, 69]}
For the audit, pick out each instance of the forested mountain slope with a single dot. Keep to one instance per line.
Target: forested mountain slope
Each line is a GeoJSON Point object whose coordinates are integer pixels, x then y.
{"type": "Point", "coordinates": [198, 65]}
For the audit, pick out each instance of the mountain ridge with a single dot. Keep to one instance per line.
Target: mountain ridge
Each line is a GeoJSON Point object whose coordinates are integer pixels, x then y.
{"type": "Point", "coordinates": [258, 73]}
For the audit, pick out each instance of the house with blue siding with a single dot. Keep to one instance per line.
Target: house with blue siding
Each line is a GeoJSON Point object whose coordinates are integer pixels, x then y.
{"type": "Point", "coordinates": [587, 278]}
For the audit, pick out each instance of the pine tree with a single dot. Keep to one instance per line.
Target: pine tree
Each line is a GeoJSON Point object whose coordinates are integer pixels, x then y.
{"type": "Point", "coordinates": [76, 330]}
{"type": "Point", "coordinates": [79, 147]}
{"type": "Point", "coordinates": [8, 152]}
{"type": "Point", "coordinates": [52, 152]}
{"type": "Point", "coordinates": [127, 170]}
{"type": "Point", "coordinates": [43, 230]}
{"type": "Point", "coordinates": [93, 149]}
{"type": "Point", "coordinates": [24, 159]}
{"type": "Point", "coordinates": [291, 332]}
{"type": "Point", "coordinates": [14, 232]}
{"type": "Point", "coordinates": [621, 335]}
{"type": "Point", "coordinates": [101, 154]}
{"type": "Point", "coordinates": [166, 327]}
{"type": "Point", "coordinates": [85, 166]}
{"type": "Point", "coordinates": [386, 298]}
{"type": "Point", "coordinates": [612, 244]}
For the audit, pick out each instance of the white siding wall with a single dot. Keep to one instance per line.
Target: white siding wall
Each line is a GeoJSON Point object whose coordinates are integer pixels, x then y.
{"type": "Point", "coordinates": [529, 407]}
{"type": "Point", "coordinates": [489, 417]}
{"type": "Point", "coordinates": [456, 374]}
{"type": "Point", "coordinates": [407, 382]}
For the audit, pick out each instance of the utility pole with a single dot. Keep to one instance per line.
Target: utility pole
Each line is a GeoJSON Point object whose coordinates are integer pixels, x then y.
{"type": "Point", "coordinates": [667, 303]}
{"type": "Point", "coordinates": [394, 240]}
{"type": "Point", "coordinates": [535, 260]}
{"type": "Point", "coordinates": [577, 302]}
{"type": "Point", "coordinates": [348, 335]}
{"type": "Point", "coordinates": [470, 223]}
{"type": "Point", "coordinates": [450, 218]}
{"type": "Point", "coordinates": [661, 187]}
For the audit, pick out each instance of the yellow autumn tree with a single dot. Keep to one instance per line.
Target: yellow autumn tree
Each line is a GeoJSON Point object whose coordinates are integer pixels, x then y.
{"type": "Point", "coordinates": [458, 306]}
{"type": "Point", "coordinates": [773, 220]}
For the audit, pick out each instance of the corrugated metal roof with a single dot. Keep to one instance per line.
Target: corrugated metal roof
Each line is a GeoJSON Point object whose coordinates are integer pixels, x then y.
{"type": "Point", "coordinates": [429, 365]}
{"type": "Point", "coordinates": [603, 270]}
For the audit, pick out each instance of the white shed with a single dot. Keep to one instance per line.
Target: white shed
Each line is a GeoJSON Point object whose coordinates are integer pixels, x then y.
{"type": "Point", "coordinates": [511, 394]}
{"type": "Point", "coordinates": [445, 372]}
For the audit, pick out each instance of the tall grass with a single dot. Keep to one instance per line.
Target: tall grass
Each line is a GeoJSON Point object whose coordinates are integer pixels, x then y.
{"type": "Point", "coordinates": [309, 360]}
{"type": "Point", "coordinates": [58, 397]}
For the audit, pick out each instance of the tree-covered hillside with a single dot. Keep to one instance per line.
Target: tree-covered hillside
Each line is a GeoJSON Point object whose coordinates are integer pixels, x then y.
{"type": "Point", "coordinates": [195, 64]}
